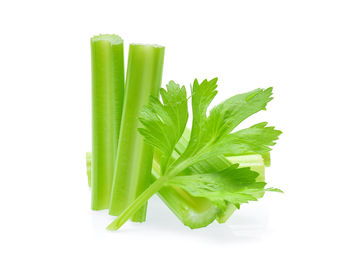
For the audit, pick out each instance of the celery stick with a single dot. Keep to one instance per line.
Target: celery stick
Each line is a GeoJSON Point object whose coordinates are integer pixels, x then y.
{"type": "Point", "coordinates": [107, 61]}
{"type": "Point", "coordinates": [196, 212]}
{"type": "Point", "coordinates": [134, 157]}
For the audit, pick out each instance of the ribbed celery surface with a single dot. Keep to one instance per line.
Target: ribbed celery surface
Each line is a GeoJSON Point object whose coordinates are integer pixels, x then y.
{"type": "Point", "coordinates": [196, 212]}
{"type": "Point", "coordinates": [107, 61]}
{"type": "Point", "coordinates": [134, 157]}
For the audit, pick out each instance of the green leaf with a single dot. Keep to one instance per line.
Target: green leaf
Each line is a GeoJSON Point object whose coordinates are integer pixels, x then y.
{"type": "Point", "coordinates": [226, 116]}
{"type": "Point", "coordinates": [202, 96]}
{"type": "Point", "coordinates": [256, 139]}
{"type": "Point", "coordinates": [210, 136]}
{"type": "Point", "coordinates": [164, 122]}
{"type": "Point", "coordinates": [232, 185]}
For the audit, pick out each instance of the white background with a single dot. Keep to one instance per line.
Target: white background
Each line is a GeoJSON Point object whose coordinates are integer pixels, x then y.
{"type": "Point", "coordinates": [302, 48]}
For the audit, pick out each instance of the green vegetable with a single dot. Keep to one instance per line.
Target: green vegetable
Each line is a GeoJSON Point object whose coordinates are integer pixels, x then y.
{"type": "Point", "coordinates": [163, 124]}
{"type": "Point", "coordinates": [107, 61]}
{"type": "Point", "coordinates": [196, 212]}
{"type": "Point", "coordinates": [134, 157]}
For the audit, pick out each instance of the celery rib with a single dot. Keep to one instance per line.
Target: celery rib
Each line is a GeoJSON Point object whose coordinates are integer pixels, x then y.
{"type": "Point", "coordinates": [107, 62]}
{"type": "Point", "coordinates": [134, 157]}
{"type": "Point", "coordinates": [196, 212]}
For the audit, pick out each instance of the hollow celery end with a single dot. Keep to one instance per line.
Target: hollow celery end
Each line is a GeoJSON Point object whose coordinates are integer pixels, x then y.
{"type": "Point", "coordinates": [193, 212]}
{"type": "Point", "coordinates": [112, 38]}
{"type": "Point", "coordinates": [202, 219]}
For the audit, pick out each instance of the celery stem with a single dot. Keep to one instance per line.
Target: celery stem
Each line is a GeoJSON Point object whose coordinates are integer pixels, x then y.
{"type": "Point", "coordinates": [137, 204]}
{"type": "Point", "coordinates": [134, 157]}
{"type": "Point", "coordinates": [107, 68]}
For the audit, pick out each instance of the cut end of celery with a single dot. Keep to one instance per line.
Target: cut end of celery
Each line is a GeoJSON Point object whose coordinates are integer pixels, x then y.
{"type": "Point", "coordinates": [112, 38]}
{"type": "Point", "coordinates": [194, 212]}
{"type": "Point", "coordinates": [200, 220]}
{"type": "Point", "coordinates": [147, 45]}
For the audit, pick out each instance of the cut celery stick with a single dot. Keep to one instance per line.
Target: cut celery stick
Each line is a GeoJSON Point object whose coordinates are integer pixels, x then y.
{"type": "Point", "coordinates": [134, 157]}
{"type": "Point", "coordinates": [196, 212]}
{"type": "Point", "coordinates": [107, 61]}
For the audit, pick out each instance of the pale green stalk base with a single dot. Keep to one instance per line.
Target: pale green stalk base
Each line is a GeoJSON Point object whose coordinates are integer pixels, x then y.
{"type": "Point", "coordinates": [194, 212]}
{"type": "Point", "coordinates": [107, 61]}
{"type": "Point", "coordinates": [134, 157]}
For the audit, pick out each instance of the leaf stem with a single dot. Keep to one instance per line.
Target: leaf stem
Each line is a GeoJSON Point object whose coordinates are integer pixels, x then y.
{"type": "Point", "coordinates": [138, 203]}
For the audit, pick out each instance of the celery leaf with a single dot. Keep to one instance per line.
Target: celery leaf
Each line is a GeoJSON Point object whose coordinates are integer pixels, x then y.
{"type": "Point", "coordinates": [232, 185]}
{"type": "Point", "coordinates": [164, 122]}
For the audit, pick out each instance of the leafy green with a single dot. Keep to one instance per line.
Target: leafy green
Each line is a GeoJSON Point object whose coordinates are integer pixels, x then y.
{"type": "Point", "coordinates": [164, 124]}
{"type": "Point", "coordinates": [233, 185]}
{"type": "Point", "coordinates": [210, 136]}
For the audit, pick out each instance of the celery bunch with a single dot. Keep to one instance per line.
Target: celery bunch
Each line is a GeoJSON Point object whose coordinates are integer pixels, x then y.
{"type": "Point", "coordinates": [201, 174]}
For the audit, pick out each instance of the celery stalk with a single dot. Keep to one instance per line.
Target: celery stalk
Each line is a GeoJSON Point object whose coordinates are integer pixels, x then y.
{"type": "Point", "coordinates": [107, 62]}
{"type": "Point", "coordinates": [134, 157]}
{"type": "Point", "coordinates": [196, 212]}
